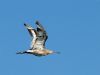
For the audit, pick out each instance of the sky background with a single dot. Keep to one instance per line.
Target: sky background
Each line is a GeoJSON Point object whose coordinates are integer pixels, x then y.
{"type": "Point", "coordinates": [73, 27]}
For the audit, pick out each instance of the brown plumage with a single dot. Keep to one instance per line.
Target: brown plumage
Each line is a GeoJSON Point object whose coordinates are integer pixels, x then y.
{"type": "Point", "coordinates": [39, 37]}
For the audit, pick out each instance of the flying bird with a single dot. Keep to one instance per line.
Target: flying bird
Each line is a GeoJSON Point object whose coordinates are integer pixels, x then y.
{"type": "Point", "coordinates": [39, 37]}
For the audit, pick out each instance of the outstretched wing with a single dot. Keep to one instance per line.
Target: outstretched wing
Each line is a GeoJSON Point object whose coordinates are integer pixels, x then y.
{"type": "Point", "coordinates": [42, 35]}
{"type": "Point", "coordinates": [39, 26]}
{"type": "Point", "coordinates": [33, 34]}
{"type": "Point", "coordinates": [31, 30]}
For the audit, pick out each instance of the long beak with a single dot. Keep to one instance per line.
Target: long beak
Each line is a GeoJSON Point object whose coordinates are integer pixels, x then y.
{"type": "Point", "coordinates": [21, 52]}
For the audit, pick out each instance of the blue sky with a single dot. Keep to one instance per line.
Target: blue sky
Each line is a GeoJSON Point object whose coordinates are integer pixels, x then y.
{"type": "Point", "coordinates": [73, 27]}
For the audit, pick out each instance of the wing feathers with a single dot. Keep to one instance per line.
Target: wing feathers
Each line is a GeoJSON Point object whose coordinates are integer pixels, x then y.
{"type": "Point", "coordinates": [39, 34]}
{"type": "Point", "coordinates": [31, 30]}
{"type": "Point", "coordinates": [39, 26]}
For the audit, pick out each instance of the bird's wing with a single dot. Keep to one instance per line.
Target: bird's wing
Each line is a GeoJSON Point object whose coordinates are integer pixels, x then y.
{"type": "Point", "coordinates": [39, 26]}
{"type": "Point", "coordinates": [31, 30]}
{"type": "Point", "coordinates": [42, 34]}
{"type": "Point", "coordinates": [33, 34]}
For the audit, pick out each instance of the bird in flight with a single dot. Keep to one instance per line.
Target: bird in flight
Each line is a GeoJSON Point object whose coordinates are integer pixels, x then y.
{"type": "Point", "coordinates": [39, 37]}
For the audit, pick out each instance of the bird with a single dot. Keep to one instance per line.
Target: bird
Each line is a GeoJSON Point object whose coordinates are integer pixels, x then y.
{"type": "Point", "coordinates": [39, 37]}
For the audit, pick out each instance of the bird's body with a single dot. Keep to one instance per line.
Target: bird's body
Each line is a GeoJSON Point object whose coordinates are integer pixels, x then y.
{"type": "Point", "coordinates": [37, 52]}
{"type": "Point", "coordinates": [39, 37]}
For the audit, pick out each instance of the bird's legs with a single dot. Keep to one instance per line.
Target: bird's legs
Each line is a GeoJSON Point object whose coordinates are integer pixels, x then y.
{"type": "Point", "coordinates": [56, 52]}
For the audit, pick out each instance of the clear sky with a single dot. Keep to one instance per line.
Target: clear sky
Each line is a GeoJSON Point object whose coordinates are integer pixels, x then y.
{"type": "Point", "coordinates": [73, 27]}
